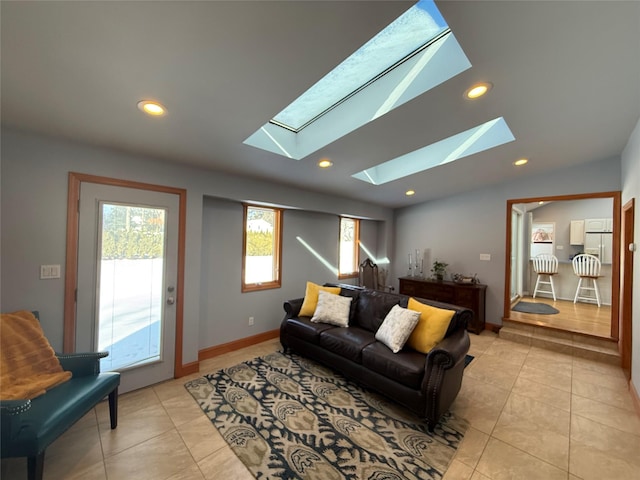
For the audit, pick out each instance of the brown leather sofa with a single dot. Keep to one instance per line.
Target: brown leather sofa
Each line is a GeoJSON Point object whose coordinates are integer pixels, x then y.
{"type": "Point", "coordinates": [425, 384]}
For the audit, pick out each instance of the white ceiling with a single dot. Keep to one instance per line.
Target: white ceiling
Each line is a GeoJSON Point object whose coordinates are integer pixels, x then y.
{"type": "Point", "coordinates": [566, 79]}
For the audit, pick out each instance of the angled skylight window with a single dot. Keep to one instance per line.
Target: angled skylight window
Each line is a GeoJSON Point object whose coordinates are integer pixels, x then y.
{"type": "Point", "coordinates": [413, 30]}
{"type": "Point", "coordinates": [478, 139]}
{"type": "Point", "coordinates": [410, 56]}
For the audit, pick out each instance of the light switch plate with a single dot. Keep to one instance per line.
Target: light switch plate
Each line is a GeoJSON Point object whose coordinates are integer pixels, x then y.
{"type": "Point", "coordinates": [49, 271]}
{"type": "Point", "coordinates": [485, 256]}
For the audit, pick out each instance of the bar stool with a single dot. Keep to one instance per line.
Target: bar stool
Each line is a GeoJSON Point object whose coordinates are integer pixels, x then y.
{"type": "Point", "coordinates": [545, 266]}
{"type": "Point", "coordinates": [587, 267]}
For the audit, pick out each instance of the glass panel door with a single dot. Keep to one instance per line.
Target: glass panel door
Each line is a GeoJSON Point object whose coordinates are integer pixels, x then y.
{"type": "Point", "coordinates": [127, 277]}
{"type": "Point", "coordinates": [130, 270]}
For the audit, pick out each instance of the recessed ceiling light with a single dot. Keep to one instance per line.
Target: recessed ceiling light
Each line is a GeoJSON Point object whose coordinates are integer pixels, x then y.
{"type": "Point", "coordinates": [520, 162]}
{"type": "Point", "coordinates": [325, 163]}
{"type": "Point", "coordinates": [151, 108]}
{"type": "Point", "coordinates": [409, 193]}
{"type": "Point", "coordinates": [478, 90]}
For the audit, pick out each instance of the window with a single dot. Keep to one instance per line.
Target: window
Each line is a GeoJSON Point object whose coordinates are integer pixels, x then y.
{"type": "Point", "coordinates": [261, 248]}
{"type": "Point", "coordinates": [349, 247]}
{"type": "Point", "coordinates": [412, 55]}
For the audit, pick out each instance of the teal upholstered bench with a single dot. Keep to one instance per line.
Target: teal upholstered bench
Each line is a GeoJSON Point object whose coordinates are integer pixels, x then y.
{"type": "Point", "coordinates": [28, 427]}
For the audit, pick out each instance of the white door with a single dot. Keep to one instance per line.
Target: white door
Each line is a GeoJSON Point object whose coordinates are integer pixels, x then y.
{"type": "Point", "coordinates": [127, 272]}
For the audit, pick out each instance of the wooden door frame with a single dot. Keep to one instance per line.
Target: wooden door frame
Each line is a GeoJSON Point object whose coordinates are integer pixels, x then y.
{"type": "Point", "coordinates": [626, 287]}
{"type": "Point", "coordinates": [71, 263]}
{"type": "Point", "coordinates": [615, 196]}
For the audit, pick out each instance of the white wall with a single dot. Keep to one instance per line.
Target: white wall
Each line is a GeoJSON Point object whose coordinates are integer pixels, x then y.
{"type": "Point", "coordinates": [630, 163]}
{"type": "Point", "coordinates": [459, 228]}
{"type": "Point", "coordinates": [34, 176]}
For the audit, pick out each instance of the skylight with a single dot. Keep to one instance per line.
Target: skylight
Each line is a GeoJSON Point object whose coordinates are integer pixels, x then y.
{"type": "Point", "coordinates": [413, 30]}
{"type": "Point", "coordinates": [483, 137]}
{"type": "Point", "coordinates": [409, 57]}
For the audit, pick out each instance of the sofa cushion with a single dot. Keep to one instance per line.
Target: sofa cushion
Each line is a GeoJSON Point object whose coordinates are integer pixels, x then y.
{"type": "Point", "coordinates": [405, 367]}
{"type": "Point", "coordinates": [311, 298]}
{"type": "Point", "coordinates": [397, 326]}
{"type": "Point", "coordinates": [305, 330]}
{"type": "Point", "coordinates": [353, 294]}
{"type": "Point", "coordinates": [347, 342]}
{"type": "Point", "coordinates": [431, 327]}
{"type": "Point", "coordinates": [332, 309]}
{"type": "Point", "coordinates": [373, 306]}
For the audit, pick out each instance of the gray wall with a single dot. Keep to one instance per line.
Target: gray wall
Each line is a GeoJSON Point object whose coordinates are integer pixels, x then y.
{"type": "Point", "coordinates": [226, 311]}
{"type": "Point", "coordinates": [459, 228]}
{"type": "Point", "coordinates": [631, 189]}
{"type": "Point", "coordinates": [562, 212]}
{"type": "Point", "coordinates": [34, 180]}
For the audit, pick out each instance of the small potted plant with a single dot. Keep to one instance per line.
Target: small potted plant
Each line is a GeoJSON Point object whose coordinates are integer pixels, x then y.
{"type": "Point", "coordinates": [439, 269]}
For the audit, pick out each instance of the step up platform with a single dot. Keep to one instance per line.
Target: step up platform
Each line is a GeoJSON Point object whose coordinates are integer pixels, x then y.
{"type": "Point", "coordinates": [585, 346]}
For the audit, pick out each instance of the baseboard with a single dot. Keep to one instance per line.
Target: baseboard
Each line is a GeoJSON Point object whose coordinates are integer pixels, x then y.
{"type": "Point", "coordinates": [187, 369]}
{"type": "Point", "coordinates": [211, 352]}
{"type": "Point", "coordinates": [492, 327]}
{"type": "Point", "coordinates": [635, 397]}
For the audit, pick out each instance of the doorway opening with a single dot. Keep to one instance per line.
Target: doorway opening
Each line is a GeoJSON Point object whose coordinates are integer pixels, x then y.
{"type": "Point", "coordinates": [556, 214]}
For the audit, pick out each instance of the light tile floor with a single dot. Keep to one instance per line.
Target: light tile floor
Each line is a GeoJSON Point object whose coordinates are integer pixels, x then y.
{"type": "Point", "coordinates": [534, 414]}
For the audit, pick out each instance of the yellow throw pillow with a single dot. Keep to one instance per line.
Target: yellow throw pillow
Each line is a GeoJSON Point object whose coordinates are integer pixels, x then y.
{"type": "Point", "coordinates": [431, 327]}
{"type": "Point", "coordinates": [311, 298]}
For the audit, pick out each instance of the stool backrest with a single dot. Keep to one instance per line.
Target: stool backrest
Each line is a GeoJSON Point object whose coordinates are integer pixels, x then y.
{"type": "Point", "coordinates": [545, 263]}
{"type": "Point", "coordinates": [585, 265]}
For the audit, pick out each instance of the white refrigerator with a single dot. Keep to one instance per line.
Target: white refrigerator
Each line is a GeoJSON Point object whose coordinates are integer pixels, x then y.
{"type": "Point", "coordinates": [600, 245]}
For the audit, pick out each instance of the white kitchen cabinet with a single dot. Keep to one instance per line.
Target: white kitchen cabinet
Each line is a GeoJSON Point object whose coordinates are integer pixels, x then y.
{"type": "Point", "coordinates": [576, 233]}
{"type": "Point", "coordinates": [609, 226]}
{"type": "Point", "coordinates": [596, 224]}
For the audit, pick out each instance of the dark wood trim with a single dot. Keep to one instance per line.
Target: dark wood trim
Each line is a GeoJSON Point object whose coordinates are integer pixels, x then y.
{"type": "Point", "coordinates": [626, 288]}
{"type": "Point", "coordinates": [492, 327]}
{"type": "Point", "coordinates": [615, 266]}
{"type": "Point", "coordinates": [71, 263]}
{"type": "Point", "coordinates": [218, 350]}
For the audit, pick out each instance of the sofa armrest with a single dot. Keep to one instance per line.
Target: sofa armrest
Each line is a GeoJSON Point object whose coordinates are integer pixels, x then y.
{"type": "Point", "coordinates": [292, 307]}
{"type": "Point", "coordinates": [81, 364]}
{"type": "Point", "coordinates": [14, 407]}
{"type": "Point", "coordinates": [449, 351]}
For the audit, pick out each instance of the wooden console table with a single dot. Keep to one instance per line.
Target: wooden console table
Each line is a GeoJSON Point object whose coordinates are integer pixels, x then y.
{"type": "Point", "coordinates": [471, 296]}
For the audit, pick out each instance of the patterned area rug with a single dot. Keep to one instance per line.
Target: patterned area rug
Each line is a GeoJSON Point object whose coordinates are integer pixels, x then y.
{"type": "Point", "coordinates": [288, 417]}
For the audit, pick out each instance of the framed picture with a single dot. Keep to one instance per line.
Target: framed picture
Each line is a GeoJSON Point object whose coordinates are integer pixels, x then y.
{"type": "Point", "coordinates": [542, 232]}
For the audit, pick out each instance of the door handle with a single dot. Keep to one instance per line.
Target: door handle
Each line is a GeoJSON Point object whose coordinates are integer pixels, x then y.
{"type": "Point", "coordinates": [171, 300]}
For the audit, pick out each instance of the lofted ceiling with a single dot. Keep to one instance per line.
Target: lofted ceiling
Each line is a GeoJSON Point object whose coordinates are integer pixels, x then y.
{"type": "Point", "coordinates": [566, 78]}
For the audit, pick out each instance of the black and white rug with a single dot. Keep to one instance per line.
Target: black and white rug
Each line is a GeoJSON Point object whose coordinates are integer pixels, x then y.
{"type": "Point", "coordinates": [287, 417]}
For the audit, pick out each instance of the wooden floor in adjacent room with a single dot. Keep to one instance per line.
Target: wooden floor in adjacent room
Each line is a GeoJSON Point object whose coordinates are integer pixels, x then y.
{"type": "Point", "coordinates": [577, 317]}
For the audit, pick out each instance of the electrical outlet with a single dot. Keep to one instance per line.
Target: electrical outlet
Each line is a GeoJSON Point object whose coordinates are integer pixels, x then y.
{"type": "Point", "coordinates": [485, 256]}
{"type": "Point", "coordinates": [251, 321]}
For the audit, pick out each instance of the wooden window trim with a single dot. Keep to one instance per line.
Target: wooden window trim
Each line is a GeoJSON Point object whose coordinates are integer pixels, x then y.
{"type": "Point", "coordinates": [356, 249]}
{"type": "Point", "coordinates": [277, 231]}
